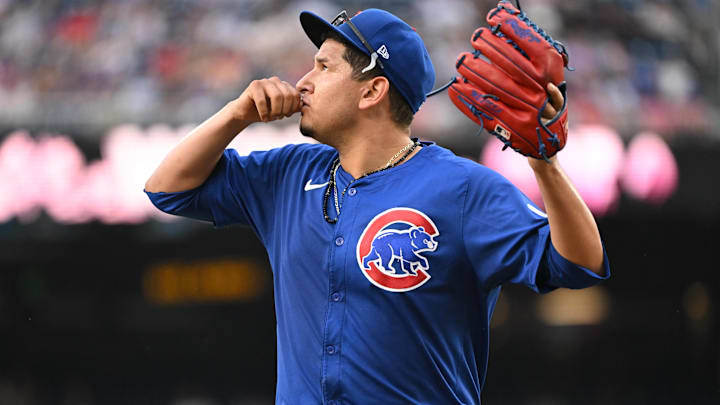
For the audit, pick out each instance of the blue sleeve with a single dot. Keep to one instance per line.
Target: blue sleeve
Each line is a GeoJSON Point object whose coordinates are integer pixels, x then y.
{"type": "Point", "coordinates": [507, 239]}
{"type": "Point", "coordinates": [240, 190]}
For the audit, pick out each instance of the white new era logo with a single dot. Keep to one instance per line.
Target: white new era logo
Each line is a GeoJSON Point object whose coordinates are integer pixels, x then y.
{"type": "Point", "coordinates": [383, 51]}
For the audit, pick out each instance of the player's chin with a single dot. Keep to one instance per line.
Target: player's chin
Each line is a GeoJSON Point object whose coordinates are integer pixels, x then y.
{"type": "Point", "coordinates": [306, 129]}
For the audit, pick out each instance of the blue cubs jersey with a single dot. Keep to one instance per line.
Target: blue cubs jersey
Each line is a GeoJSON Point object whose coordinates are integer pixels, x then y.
{"type": "Point", "coordinates": [391, 304]}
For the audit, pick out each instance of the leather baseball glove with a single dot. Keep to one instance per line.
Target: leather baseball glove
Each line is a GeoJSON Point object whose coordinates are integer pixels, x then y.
{"type": "Point", "coordinates": [502, 84]}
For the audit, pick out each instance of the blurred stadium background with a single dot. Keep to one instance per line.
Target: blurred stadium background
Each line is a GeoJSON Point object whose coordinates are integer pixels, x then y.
{"type": "Point", "coordinates": [105, 301]}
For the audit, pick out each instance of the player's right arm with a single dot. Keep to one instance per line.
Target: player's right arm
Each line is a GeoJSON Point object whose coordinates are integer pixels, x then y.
{"type": "Point", "coordinates": [190, 163]}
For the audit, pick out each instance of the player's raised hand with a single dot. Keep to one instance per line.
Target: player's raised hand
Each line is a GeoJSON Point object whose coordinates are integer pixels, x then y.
{"type": "Point", "coordinates": [267, 100]}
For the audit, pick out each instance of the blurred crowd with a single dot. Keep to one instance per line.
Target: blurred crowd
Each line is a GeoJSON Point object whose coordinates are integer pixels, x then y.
{"type": "Point", "coordinates": [640, 64]}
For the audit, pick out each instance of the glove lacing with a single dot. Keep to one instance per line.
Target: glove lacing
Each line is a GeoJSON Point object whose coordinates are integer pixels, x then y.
{"type": "Point", "coordinates": [559, 46]}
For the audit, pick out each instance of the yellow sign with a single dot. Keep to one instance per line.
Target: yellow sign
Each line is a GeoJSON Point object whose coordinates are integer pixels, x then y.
{"type": "Point", "coordinates": [204, 281]}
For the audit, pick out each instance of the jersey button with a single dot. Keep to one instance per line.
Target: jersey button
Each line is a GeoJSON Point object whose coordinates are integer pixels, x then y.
{"type": "Point", "coordinates": [336, 297]}
{"type": "Point", "coordinates": [352, 191]}
{"type": "Point", "coordinates": [339, 241]}
{"type": "Point", "coordinates": [330, 349]}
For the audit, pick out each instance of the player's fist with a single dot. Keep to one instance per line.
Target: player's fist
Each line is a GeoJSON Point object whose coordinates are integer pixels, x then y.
{"type": "Point", "coordinates": [267, 100]}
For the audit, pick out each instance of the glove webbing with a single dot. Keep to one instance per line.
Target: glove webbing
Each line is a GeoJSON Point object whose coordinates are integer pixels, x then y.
{"type": "Point", "coordinates": [559, 46]}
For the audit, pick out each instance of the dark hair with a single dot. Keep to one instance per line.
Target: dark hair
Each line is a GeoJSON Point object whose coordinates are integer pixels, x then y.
{"type": "Point", "coordinates": [400, 110]}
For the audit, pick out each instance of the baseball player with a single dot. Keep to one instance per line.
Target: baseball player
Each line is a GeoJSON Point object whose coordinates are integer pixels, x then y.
{"type": "Point", "coordinates": [388, 253]}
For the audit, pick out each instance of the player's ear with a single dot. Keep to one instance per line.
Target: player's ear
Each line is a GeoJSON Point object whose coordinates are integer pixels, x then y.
{"type": "Point", "coordinates": [373, 92]}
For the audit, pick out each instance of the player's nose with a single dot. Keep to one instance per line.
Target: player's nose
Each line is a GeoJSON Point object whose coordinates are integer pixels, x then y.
{"type": "Point", "coordinates": [304, 85]}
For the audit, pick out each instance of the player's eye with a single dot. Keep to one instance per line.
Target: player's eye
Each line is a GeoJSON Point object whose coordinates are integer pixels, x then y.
{"type": "Point", "coordinates": [324, 67]}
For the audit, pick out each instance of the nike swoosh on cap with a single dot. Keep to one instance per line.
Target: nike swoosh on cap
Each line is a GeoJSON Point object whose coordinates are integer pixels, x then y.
{"type": "Point", "coordinates": [309, 186]}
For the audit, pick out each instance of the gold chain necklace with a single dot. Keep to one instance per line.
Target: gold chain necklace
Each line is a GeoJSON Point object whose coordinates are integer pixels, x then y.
{"type": "Point", "coordinates": [332, 183]}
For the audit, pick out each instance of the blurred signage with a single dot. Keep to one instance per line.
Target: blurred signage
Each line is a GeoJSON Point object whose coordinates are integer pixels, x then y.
{"type": "Point", "coordinates": [565, 307]}
{"type": "Point", "coordinates": [204, 281]}
{"type": "Point", "coordinates": [49, 173]}
{"type": "Point", "coordinates": [599, 165]}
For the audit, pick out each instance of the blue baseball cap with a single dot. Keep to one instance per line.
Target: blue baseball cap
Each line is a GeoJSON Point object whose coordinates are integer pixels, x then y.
{"type": "Point", "coordinates": [402, 53]}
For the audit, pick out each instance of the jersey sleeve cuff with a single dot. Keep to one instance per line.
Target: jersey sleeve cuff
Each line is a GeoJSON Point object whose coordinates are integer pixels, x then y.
{"type": "Point", "coordinates": [564, 273]}
{"type": "Point", "coordinates": [181, 203]}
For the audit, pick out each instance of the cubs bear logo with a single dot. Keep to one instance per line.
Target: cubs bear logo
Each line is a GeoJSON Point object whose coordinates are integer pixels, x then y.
{"type": "Point", "coordinates": [390, 249]}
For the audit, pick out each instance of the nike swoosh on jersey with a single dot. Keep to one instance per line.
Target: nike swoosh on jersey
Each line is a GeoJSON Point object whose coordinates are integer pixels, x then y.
{"type": "Point", "coordinates": [309, 186]}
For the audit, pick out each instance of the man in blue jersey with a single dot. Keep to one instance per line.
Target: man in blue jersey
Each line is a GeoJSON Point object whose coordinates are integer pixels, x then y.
{"type": "Point", "coordinates": [388, 253]}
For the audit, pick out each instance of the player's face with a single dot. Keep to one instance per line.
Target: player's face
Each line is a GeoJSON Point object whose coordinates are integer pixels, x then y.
{"type": "Point", "coordinates": [330, 95]}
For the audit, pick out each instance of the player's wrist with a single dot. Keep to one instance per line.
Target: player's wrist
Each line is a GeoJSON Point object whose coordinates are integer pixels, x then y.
{"type": "Point", "coordinates": [235, 113]}
{"type": "Point", "coordinates": [541, 166]}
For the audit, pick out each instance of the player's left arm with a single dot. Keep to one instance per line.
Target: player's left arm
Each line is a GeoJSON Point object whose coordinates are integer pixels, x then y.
{"type": "Point", "coordinates": [573, 230]}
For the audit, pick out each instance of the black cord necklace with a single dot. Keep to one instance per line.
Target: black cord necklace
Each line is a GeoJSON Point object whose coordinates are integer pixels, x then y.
{"type": "Point", "coordinates": [332, 183]}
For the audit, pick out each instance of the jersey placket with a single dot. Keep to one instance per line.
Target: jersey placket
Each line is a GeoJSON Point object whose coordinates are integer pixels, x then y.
{"type": "Point", "coordinates": [340, 257]}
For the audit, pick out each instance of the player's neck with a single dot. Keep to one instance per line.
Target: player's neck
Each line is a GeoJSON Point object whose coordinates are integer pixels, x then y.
{"type": "Point", "coordinates": [368, 151]}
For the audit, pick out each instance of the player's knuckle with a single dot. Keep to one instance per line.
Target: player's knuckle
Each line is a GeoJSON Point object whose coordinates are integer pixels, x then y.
{"type": "Point", "coordinates": [271, 92]}
{"type": "Point", "coordinates": [277, 96]}
{"type": "Point", "coordinates": [261, 102]}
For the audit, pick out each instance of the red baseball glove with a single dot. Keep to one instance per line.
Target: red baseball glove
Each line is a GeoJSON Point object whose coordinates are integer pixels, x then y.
{"type": "Point", "coordinates": [502, 85]}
